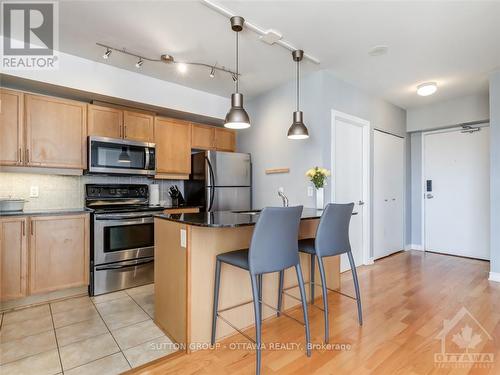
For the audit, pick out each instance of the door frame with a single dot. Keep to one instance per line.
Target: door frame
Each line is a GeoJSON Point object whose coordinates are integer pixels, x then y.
{"type": "Point", "coordinates": [422, 175]}
{"type": "Point", "coordinates": [365, 125]}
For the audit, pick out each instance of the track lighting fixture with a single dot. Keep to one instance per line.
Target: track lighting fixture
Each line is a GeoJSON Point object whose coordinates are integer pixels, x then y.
{"type": "Point", "coordinates": [298, 130]}
{"type": "Point", "coordinates": [139, 63]}
{"type": "Point", "coordinates": [106, 54]}
{"type": "Point", "coordinates": [237, 117]}
{"type": "Point", "coordinates": [212, 72]}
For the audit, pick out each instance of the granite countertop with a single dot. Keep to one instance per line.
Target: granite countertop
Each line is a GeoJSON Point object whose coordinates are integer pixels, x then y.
{"type": "Point", "coordinates": [62, 211]}
{"type": "Point", "coordinates": [228, 219]}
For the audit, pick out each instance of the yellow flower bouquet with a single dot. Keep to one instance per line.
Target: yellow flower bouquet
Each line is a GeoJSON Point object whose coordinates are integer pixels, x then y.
{"type": "Point", "coordinates": [318, 176]}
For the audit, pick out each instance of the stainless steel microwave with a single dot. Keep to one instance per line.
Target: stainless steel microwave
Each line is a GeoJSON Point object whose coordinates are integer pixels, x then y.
{"type": "Point", "coordinates": [120, 156]}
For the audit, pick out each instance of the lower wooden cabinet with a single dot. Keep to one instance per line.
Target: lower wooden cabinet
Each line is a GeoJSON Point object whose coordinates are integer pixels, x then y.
{"type": "Point", "coordinates": [59, 252]}
{"type": "Point", "coordinates": [42, 254]}
{"type": "Point", "coordinates": [13, 258]}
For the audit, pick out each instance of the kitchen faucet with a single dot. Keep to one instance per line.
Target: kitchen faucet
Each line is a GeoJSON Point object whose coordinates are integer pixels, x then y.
{"type": "Point", "coordinates": [284, 198]}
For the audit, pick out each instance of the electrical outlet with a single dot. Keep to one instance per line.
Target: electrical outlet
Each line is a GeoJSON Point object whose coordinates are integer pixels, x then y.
{"type": "Point", "coordinates": [34, 192]}
{"type": "Point", "coordinates": [310, 191]}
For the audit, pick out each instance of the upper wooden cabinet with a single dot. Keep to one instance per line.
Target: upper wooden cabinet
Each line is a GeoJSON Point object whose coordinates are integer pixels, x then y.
{"type": "Point", "coordinates": [11, 127]}
{"type": "Point", "coordinates": [56, 131]}
{"type": "Point", "coordinates": [105, 121]}
{"type": "Point", "coordinates": [59, 252]}
{"type": "Point", "coordinates": [13, 258]}
{"type": "Point", "coordinates": [202, 137]}
{"type": "Point", "coordinates": [173, 148]}
{"type": "Point", "coordinates": [225, 139]}
{"type": "Point", "coordinates": [138, 126]}
{"type": "Point", "coordinates": [206, 137]}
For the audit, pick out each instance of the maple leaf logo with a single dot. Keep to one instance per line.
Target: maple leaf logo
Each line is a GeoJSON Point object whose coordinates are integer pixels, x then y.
{"type": "Point", "coordinates": [466, 339]}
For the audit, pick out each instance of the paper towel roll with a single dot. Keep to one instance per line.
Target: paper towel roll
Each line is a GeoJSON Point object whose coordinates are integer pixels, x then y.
{"type": "Point", "coordinates": [154, 195]}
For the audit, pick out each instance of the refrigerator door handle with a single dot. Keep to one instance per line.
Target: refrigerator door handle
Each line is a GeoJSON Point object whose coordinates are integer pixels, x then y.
{"type": "Point", "coordinates": [212, 182]}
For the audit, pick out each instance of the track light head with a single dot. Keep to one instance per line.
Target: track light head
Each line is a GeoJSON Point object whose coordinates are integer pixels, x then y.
{"type": "Point", "coordinates": [106, 54]}
{"type": "Point", "coordinates": [182, 68]}
{"type": "Point", "coordinates": [139, 63]}
{"type": "Point", "coordinates": [212, 72]}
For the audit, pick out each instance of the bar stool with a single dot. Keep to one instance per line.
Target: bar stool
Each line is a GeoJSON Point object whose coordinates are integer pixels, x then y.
{"type": "Point", "coordinates": [332, 238]}
{"type": "Point", "coordinates": [273, 248]}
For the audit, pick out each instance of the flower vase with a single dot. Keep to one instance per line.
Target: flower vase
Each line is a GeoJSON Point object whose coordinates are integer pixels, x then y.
{"type": "Point", "coordinates": [320, 198]}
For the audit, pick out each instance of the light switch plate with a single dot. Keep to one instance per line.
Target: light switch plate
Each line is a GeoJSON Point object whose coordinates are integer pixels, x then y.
{"type": "Point", "coordinates": [310, 191]}
{"type": "Point", "coordinates": [183, 238]}
{"type": "Point", "coordinates": [34, 192]}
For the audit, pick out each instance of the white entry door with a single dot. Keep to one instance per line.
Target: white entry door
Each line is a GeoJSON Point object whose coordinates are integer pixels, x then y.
{"type": "Point", "coordinates": [456, 206]}
{"type": "Point", "coordinates": [350, 161]}
{"type": "Point", "coordinates": [388, 194]}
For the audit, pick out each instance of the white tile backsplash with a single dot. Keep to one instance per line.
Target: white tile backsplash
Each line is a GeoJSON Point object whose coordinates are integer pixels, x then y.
{"type": "Point", "coordinates": [61, 192]}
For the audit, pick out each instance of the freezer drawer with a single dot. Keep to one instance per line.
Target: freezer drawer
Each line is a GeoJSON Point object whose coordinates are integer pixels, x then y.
{"type": "Point", "coordinates": [120, 275]}
{"type": "Point", "coordinates": [229, 198]}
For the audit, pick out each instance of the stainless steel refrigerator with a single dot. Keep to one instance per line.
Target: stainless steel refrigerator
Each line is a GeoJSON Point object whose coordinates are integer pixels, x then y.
{"type": "Point", "coordinates": [220, 181]}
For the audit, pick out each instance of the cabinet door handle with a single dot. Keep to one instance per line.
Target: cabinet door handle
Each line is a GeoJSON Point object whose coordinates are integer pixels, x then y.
{"type": "Point", "coordinates": [27, 156]}
{"type": "Point", "coordinates": [124, 131]}
{"type": "Point", "coordinates": [20, 155]}
{"type": "Point", "coordinates": [23, 228]}
{"type": "Point", "coordinates": [31, 227]}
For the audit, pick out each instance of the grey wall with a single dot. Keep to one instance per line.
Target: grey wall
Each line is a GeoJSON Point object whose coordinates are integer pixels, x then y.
{"type": "Point", "coordinates": [449, 112]}
{"type": "Point", "coordinates": [495, 172]}
{"type": "Point", "coordinates": [271, 116]}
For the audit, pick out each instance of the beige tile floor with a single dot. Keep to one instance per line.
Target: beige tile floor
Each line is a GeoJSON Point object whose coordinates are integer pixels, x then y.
{"type": "Point", "coordinates": [107, 334]}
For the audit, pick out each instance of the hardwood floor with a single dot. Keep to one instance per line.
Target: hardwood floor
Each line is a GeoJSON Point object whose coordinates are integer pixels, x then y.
{"type": "Point", "coordinates": [406, 298]}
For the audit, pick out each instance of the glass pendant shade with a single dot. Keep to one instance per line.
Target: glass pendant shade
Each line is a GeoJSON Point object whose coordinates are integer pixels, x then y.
{"type": "Point", "coordinates": [237, 117]}
{"type": "Point", "coordinates": [298, 130]}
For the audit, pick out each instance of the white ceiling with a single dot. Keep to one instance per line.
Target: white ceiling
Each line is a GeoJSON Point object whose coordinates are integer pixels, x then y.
{"type": "Point", "coordinates": [455, 44]}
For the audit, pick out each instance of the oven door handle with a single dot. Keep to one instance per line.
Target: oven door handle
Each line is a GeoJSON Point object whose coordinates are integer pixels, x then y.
{"type": "Point", "coordinates": [136, 263]}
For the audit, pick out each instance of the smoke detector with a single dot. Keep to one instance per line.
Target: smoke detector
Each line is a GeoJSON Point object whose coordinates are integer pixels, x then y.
{"type": "Point", "coordinates": [379, 50]}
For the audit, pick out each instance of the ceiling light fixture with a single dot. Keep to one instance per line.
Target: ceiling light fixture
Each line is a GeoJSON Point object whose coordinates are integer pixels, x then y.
{"type": "Point", "coordinates": [182, 68]}
{"type": "Point", "coordinates": [106, 54]}
{"type": "Point", "coordinates": [426, 89]}
{"type": "Point", "coordinates": [298, 130]}
{"type": "Point", "coordinates": [139, 63]}
{"type": "Point", "coordinates": [237, 117]}
{"type": "Point", "coordinates": [379, 50]}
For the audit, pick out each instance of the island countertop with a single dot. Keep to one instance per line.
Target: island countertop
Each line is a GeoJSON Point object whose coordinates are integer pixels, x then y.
{"type": "Point", "coordinates": [228, 219]}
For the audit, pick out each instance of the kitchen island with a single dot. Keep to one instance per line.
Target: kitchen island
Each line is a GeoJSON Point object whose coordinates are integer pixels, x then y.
{"type": "Point", "coordinates": [186, 246]}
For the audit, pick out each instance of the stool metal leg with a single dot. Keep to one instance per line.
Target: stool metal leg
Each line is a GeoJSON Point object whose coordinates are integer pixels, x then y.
{"type": "Point", "coordinates": [257, 307]}
{"type": "Point", "coordinates": [280, 292]}
{"type": "Point", "coordinates": [216, 299]}
{"type": "Point", "coordinates": [311, 277]}
{"type": "Point", "coordinates": [259, 285]}
{"type": "Point", "coordinates": [325, 297]}
{"type": "Point", "coordinates": [356, 287]}
{"type": "Point", "coordinates": [303, 297]}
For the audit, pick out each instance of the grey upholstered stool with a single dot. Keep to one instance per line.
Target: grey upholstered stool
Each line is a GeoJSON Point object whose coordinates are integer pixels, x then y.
{"type": "Point", "coordinates": [274, 248]}
{"type": "Point", "coordinates": [332, 238]}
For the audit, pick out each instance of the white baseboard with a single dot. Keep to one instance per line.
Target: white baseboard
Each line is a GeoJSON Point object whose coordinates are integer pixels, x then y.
{"type": "Point", "coordinates": [494, 276]}
{"type": "Point", "coordinates": [414, 247]}
{"type": "Point", "coordinates": [369, 262]}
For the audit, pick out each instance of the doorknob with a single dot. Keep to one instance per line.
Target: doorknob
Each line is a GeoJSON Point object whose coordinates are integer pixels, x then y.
{"type": "Point", "coordinates": [361, 203]}
{"type": "Point", "coordinates": [429, 196]}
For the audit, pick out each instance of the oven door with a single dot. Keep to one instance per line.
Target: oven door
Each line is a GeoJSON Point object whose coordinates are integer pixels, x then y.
{"type": "Point", "coordinates": [119, 237]}
{"type": "Point", "coordinates": [118, 156]}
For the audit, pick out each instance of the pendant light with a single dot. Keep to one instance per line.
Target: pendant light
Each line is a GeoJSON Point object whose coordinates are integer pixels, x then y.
{"type": "Point", "coordinates": [237, 117]}
{"type": "Point", "coordinates": [298, 130]}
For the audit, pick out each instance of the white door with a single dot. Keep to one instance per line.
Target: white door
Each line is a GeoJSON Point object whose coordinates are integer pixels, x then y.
{"type": "Point", "coordinates": [457, 207]}
{"type": "Point", "coordinates": [388, 194]}
{"type": "Point", "coordinates": [350, 161]}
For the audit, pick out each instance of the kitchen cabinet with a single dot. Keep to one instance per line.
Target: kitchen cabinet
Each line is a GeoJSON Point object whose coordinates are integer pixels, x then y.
{"type": "Point", "coordinates": [173, 148]}
{"type": "Point", "coordinates": [11, 127]}
{"type": "Point", "coordinates": [138, 126]}
{"type": "Point", "coordinates": [211, 138]}
{"type": "Point", "coordinates": [202, 137]}
{"type": "Point", "coordinates": [105, 121]}
{"type": "Point", "coordinates": [13, 258]}
{"type": "Point", "coordinates": [56, 131]}
{"type": "Point", "coordinates": [59, 252]}
{"type": "Point", "coordinates": [225, 139]}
